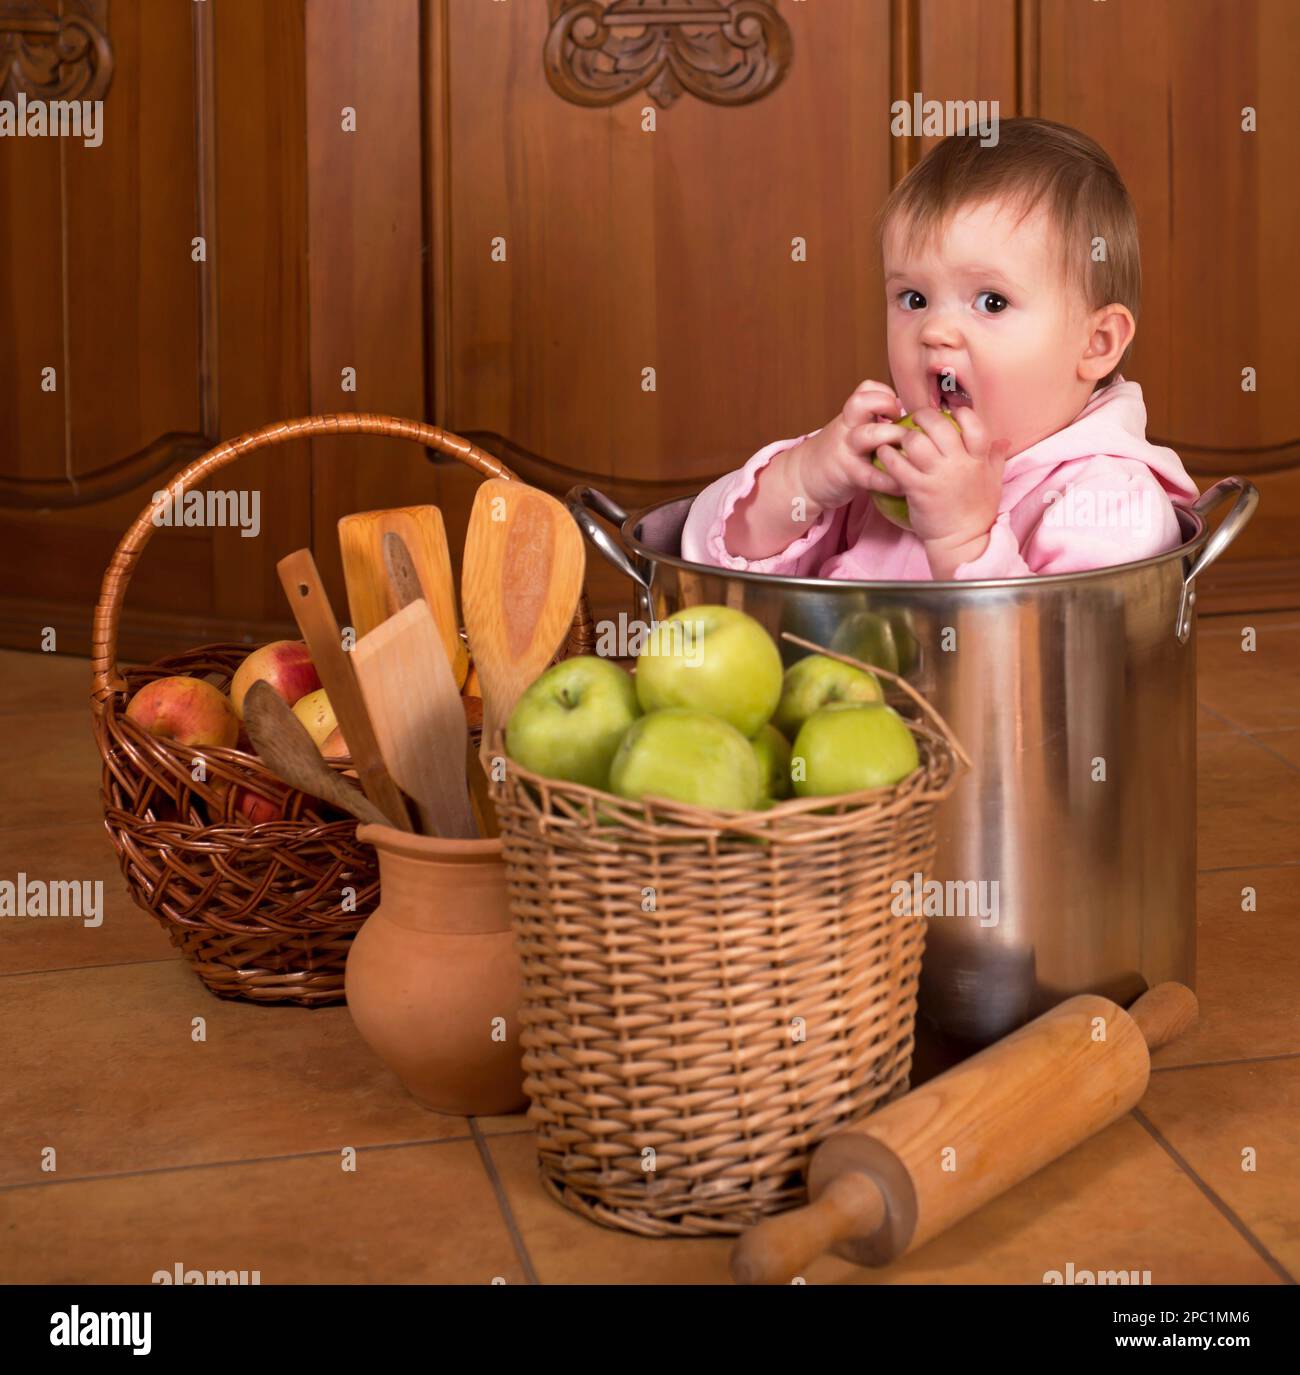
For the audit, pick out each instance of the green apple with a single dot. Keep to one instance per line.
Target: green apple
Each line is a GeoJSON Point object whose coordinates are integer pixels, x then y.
{"type": "Point", "coordinates": [847, 748]}
{"type": "Point", "coordinates": [895, 508]}
{"type": "Point", "coordinates": [816, 682]}
{"type": "Point", "coordinates": [773, 751]}
{"type": "Point", "coordinates": [688, 756]}
{"type": "Point", "coordinates": [569, 721]}
{"type": "Point", "coordinates": [714, 659]}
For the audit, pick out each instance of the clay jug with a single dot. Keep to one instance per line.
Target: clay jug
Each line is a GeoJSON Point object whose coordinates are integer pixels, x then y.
{"type": "Point", "coordinates": [434, 968]}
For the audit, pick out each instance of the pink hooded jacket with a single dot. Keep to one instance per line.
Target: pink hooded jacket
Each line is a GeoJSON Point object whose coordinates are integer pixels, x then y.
{"type": "Point", "coordinates": [1094, 494]}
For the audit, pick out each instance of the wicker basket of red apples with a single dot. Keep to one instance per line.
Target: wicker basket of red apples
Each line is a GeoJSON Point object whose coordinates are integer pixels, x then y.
{"type": "Point", "coordinates": [260, 885]}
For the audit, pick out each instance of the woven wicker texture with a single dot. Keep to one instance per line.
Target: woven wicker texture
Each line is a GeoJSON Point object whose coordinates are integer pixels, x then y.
{"type": "Point", "coordinates": [709, 995]}
{"type": "Point", "coordinates": [264, 912]}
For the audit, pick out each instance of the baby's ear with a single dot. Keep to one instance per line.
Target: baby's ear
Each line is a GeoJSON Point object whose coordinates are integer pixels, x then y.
{"type": "Point", "coordinates": [1111, 331]}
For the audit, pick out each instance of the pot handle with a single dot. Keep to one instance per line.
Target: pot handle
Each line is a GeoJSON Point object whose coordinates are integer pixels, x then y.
{"type": "Point", "coordinates": [1229, 528]}
{"type": "Point", "coordinates": [582, 502]}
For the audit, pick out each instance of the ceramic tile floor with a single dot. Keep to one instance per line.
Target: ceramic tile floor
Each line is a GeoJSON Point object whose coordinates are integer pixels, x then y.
{"type": "Point", "coordinates": [226, 1154]}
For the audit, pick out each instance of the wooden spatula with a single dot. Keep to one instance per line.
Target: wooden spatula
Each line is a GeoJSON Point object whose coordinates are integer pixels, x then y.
{"type": "Point", "coordinates": [320, 629]}
{"type": "Point", "coordinates": [370, 595]}
{"type": "Point", "coordinates": [418, 717]}
{"type": "Point", "coordinates": [522, 577]}
{"type": "Point", "coordinates": [282, 741]}
{"type": "Point", "coordinates": [405, 586]}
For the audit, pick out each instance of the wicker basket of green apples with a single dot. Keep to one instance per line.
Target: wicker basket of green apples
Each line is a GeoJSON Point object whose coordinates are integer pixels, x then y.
{"type": "Point", "coordinates": [703, 859]}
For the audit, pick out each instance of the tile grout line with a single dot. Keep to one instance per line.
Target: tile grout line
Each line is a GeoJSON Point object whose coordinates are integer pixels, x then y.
{"type": "Point", "coordinates": [1218, 1064]}
{"type": "Point", "coordinates": [1244, 731]}
{"type": "Point", "coordinates": [82, 968]}
{"type": "Point", "coordinates": [248, 1160]}
{"type": "Point", "coordinates": [503, 1202]}
{"type": "Point", "coordinates": [1229, 1215]}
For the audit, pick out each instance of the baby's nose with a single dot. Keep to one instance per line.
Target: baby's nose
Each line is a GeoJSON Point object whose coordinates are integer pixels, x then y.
{"type": "Point", "coordinates": [941, 329]}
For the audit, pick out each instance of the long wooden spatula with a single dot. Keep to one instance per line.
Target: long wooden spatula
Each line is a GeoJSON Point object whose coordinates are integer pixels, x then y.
{"type": "Point", "coordinates": [315, 617]}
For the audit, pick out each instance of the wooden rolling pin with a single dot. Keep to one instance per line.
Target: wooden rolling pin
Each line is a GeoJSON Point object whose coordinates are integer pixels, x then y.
{"type": "Point", "coordinates": [886, 1185]}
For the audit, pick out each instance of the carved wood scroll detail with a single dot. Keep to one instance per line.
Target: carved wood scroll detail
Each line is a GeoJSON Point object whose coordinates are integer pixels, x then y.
{"type": "Point", "coordinates": [50, 51]}
{"type": "Point", "coordinates": [726, 52]}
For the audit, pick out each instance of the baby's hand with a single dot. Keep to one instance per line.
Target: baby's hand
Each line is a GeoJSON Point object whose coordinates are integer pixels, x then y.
{"type": "Point", "coordinates": [838, 465]}
{"type": "Point", "coordinates": [953, 482]}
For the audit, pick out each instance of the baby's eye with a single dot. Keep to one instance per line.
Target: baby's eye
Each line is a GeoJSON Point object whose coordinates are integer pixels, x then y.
{"type": "Point", "coordinates": [904, 298]}
{"type": "Point", "coordinates": [996, 304]}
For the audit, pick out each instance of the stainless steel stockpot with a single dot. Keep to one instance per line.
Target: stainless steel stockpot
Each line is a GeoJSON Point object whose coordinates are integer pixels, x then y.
{"type": "Point", "coordinates": [1067, 857]}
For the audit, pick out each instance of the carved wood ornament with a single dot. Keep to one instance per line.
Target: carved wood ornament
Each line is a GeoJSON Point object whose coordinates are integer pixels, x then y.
{"type": "Point", "coordinates": [55, 51]}
{"type": "Point", "coordinates": [727, 52]}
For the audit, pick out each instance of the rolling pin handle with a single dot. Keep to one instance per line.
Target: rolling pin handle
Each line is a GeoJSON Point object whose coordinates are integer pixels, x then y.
{"type": "Point", "coordinates": [1164, 1012]}
{"type": "Point", "coordinates": [781, 1247]}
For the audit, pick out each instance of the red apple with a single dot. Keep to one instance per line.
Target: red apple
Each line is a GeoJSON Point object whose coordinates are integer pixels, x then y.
{"type": "Point", "coordinates": [285, 664]}
{"type": "Point", "coordinates": [187, 710]}
{"type": "Point", "coordinates": [254, 808]}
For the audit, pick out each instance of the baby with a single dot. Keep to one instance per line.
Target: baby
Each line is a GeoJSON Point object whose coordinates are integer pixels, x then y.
{"type": "Point", "coordinates": [1012, 281]}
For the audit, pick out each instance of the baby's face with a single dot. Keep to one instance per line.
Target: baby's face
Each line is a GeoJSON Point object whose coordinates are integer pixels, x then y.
{"type": "Point", "coordinates": [988, 300]}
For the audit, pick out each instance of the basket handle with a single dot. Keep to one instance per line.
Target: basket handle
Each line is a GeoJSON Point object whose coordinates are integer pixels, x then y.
{"type": "Point", "coordinates": [934, 716]}
{"type": "Point", "coordinates": [105, 679]}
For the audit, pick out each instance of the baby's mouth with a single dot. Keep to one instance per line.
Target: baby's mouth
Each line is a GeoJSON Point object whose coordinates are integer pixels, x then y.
{"type": "Point", "coordinates": [947, 392]}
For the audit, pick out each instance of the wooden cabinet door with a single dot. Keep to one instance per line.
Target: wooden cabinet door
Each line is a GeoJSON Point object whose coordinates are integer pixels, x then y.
{"type": "Point", "coordinates": [153, 294]}
{"type": "Point", "coordinates": [1197, 101]}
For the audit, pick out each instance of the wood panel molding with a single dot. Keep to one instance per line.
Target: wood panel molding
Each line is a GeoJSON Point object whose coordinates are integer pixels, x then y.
{"type": "Point", "coordinates": [556, 477]}
{"type": "Point", "coordinates": [725, 52]}
{"type": "Point", "coordinates": [68, 43]}
{"type": "Point", "coordinates": [55, 50]}
{"type": "Point", "coordinates": [143, 635]}
{"type": "Point", "coordinates": [164, 455]}
{"type": "Point", "coordinates": [1206, 460]}
{"type": "Point", "coordinates": [904, 80]}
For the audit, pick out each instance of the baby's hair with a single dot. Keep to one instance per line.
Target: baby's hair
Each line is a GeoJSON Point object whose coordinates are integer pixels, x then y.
{"type": "Point", "coordinates": [1034, 160]}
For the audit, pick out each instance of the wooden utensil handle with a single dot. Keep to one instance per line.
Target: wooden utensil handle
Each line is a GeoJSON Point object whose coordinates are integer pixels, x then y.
{"type": "Point", "coordinates": [320, 628]}
{"type": "Point", "coordinates": [781, 1247]}
{"type": "Point", "coordinates": [1164, 1012]}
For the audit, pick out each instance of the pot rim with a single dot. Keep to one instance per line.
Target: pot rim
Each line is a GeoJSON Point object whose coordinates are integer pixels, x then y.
{"type": "Point", "coordinates": [389, 840]}
{"type": "Point", "coordinates": [1187, 549]}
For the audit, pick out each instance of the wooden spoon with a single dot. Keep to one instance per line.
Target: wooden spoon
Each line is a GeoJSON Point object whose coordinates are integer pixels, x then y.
{"type": "Point", "coordinates": [522, 576]}
{"type": "Point", "coordinates": [282, 741]}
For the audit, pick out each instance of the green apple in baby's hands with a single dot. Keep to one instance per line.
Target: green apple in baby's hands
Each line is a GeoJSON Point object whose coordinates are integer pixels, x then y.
{"type": "Point", "coordinates": [895, 508]}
